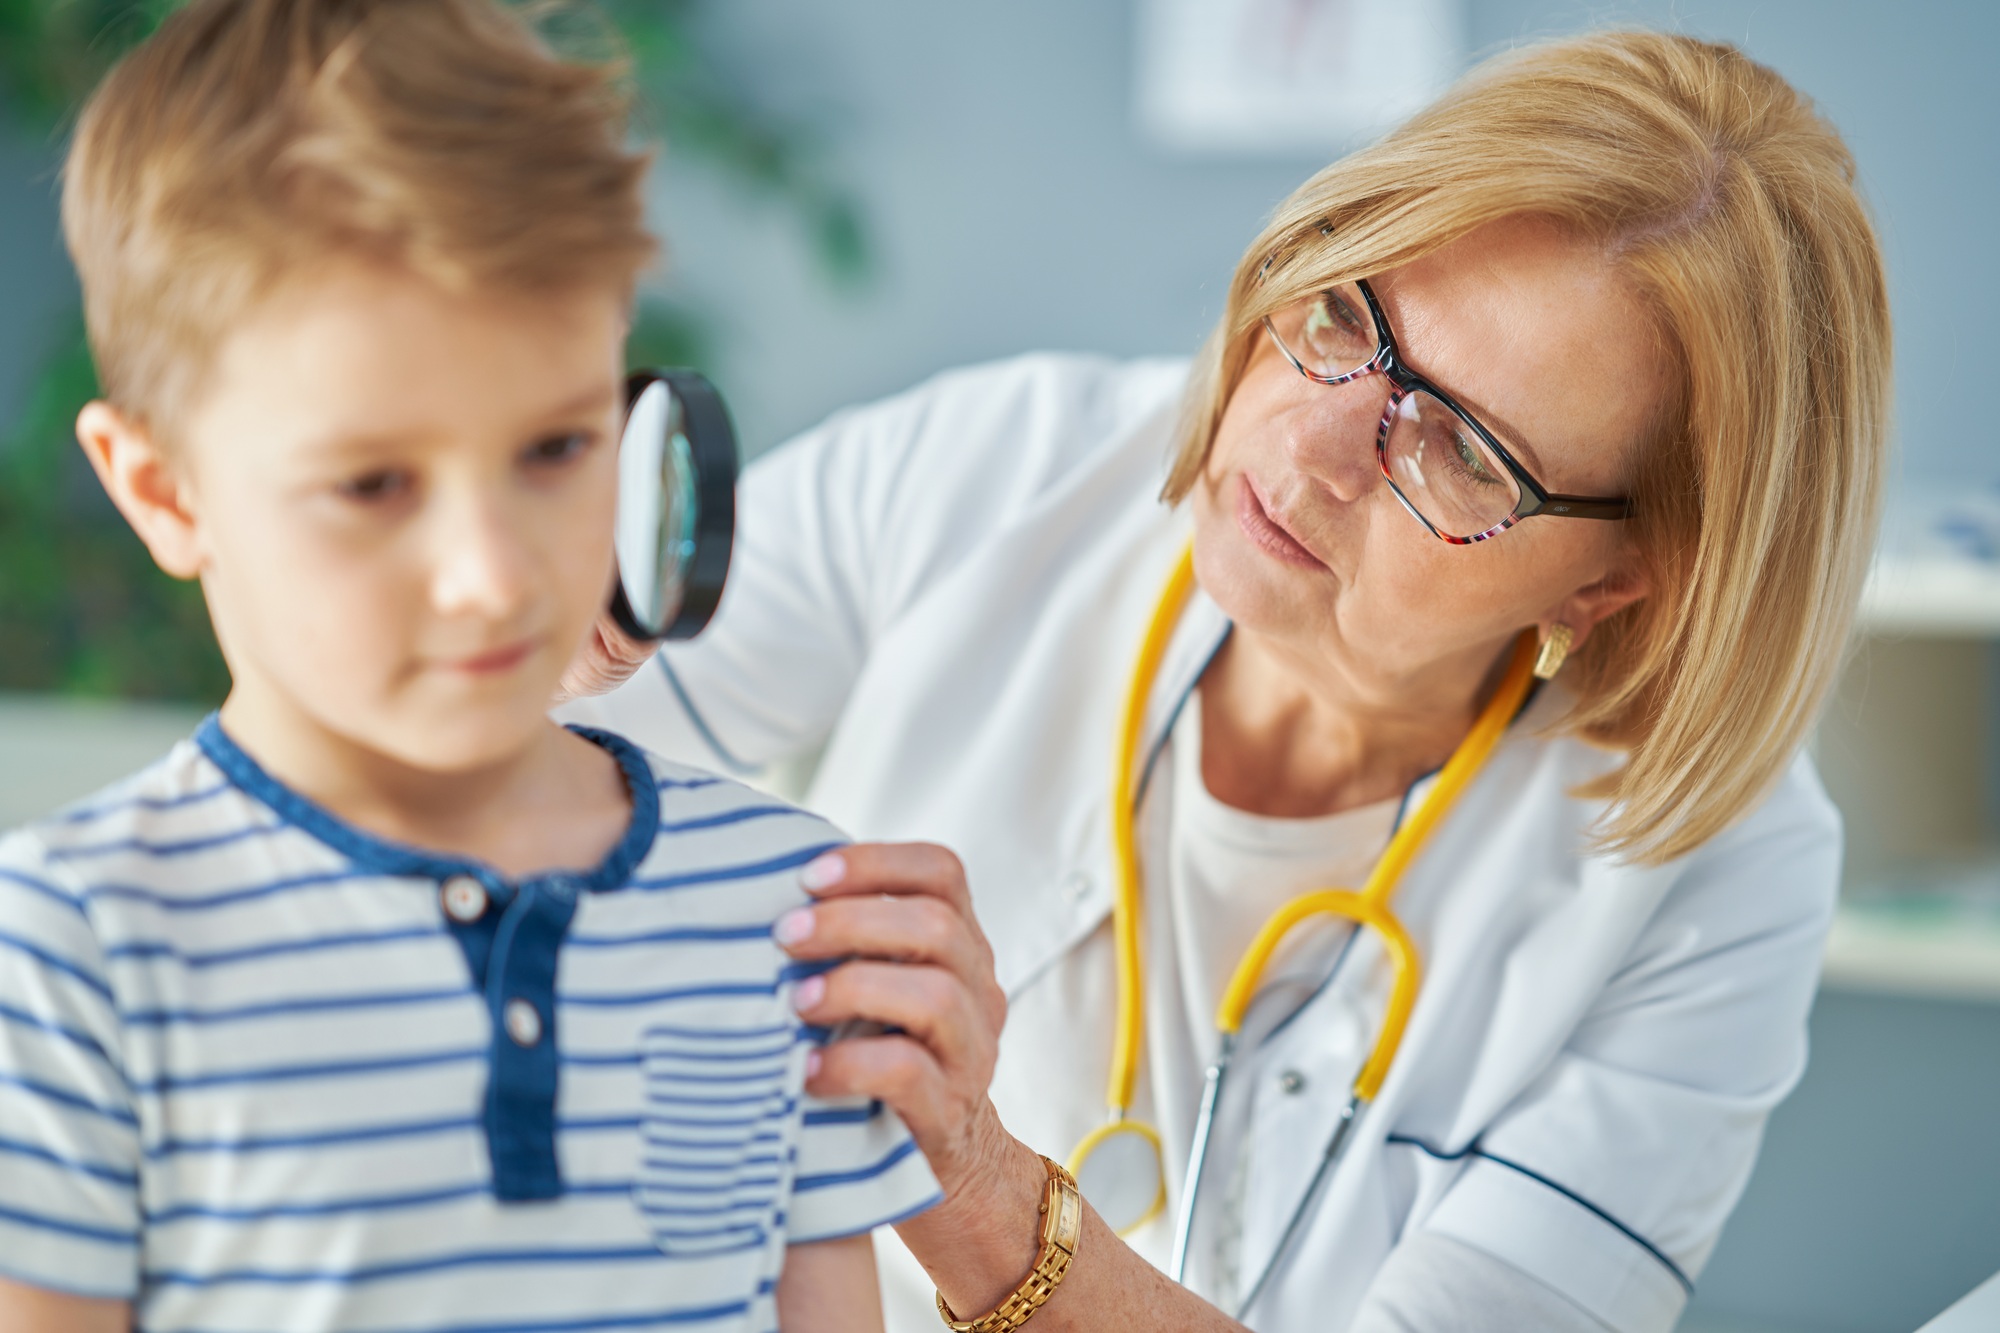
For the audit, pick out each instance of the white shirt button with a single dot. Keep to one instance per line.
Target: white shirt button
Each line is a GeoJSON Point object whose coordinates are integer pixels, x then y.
{"type": "Point", "coordinates": [523, 1023]}
{"type": "Point", "coordinates": [464, 899]}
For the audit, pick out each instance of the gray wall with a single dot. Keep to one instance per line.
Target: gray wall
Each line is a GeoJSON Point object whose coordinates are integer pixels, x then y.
{"type": "Point", "coordinates": [1016, 206]}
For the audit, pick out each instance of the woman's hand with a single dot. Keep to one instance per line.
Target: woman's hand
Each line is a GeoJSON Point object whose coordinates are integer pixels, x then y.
{"type": "Point", "coordinates": [606, 660]}
{"type": "Point", "coordinates": [902, 915]}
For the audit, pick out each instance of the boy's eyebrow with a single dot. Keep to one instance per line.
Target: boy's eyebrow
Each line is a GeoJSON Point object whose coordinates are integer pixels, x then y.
{"type": "Point", "coordinates": [365, 441]}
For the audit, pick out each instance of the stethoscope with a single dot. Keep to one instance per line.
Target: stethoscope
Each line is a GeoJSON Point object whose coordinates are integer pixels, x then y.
{"type": "Point", "coordinates": [1120, 1166]}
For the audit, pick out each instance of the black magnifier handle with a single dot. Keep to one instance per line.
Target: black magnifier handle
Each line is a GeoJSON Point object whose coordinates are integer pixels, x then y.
{"type": "Point", "coordinates": [676, 505]}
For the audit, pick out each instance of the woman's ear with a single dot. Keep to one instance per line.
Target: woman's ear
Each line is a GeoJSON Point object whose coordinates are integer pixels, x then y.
{"type": "Point", "coordinates": [149, 490]}
{"type": "Point", "coordinates": [1589, 606]}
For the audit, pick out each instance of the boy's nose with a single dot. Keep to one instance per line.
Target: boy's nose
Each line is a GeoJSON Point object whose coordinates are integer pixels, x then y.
{"type": "Point", "coordinates": [480, 566]}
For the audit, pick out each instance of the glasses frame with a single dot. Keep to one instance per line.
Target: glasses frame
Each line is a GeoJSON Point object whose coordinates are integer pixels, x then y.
{"type": "Point", "coordinates": [1535, 497]}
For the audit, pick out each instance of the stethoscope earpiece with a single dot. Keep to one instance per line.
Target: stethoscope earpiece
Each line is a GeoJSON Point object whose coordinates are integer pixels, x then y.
{"type": "Point", "coordinates": [676, 505]}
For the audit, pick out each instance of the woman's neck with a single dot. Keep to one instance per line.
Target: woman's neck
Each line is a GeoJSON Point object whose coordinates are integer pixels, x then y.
{"type": "Point", "coordinates": [1296, 739]}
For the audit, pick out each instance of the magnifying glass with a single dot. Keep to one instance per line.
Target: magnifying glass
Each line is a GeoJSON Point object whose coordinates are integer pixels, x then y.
{"type": "Point", "coordinates": [676, 505]}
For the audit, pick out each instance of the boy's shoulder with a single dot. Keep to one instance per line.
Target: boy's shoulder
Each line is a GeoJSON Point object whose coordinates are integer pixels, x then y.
{"type": "Point", "coordinates": [710, 829]}
{"type": "Point", "coordinates": [179, 797]}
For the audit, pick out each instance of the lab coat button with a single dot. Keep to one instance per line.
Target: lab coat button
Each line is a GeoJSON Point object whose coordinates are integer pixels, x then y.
{"type": "Point", "coordinates": [1292, 1081]}
{"type": "Point", "coordinates": [523, 1023]}
{"type": "Point", "coordinates": [1076, 887]}
{"type": "Point", "coordinates": [464, 899]}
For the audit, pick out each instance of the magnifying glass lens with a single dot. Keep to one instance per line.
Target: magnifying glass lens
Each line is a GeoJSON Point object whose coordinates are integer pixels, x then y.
{"type": "Point", "coordinates": [1118, 1169]}
{"type": "Point", "coordinates": [676, 510]}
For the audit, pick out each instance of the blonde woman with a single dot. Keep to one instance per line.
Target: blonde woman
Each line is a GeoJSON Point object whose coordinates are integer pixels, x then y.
{"type": "Point", "coordinates": [1540, 443]}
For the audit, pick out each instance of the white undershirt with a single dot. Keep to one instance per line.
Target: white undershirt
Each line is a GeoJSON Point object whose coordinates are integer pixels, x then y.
{"type": "Point", "coordinates": [1219, 872]}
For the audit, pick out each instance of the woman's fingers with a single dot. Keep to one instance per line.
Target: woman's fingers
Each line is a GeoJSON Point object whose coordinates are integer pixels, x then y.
{"type": "Point", "coordinates": [904, 901]}
{"type": "Point", "coordinates": [909, 929]}
{"type": "Point", "coordinates": [897, 1070]}
{"type": "Point", "coordinates": [928, 1003]}
{"type": "Point", "coordinates": [890, 867]}
{"type": "Point", "coordinates": [606, 660]}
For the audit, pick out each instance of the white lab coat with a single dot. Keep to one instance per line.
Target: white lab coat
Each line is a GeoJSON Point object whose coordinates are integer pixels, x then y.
{"type": "Point", "coordinates": [948, 588]}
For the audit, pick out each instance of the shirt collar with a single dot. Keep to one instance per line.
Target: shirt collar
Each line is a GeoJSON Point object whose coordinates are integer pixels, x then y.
{"type": "Point", "coordinates": [394, 858]}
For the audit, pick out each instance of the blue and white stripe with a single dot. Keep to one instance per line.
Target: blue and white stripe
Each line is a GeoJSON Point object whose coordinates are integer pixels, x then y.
{"type": "Point", "coordinates": [244, 1066]}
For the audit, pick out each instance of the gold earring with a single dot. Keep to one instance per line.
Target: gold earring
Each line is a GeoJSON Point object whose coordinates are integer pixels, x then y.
{"type": "Point", "coordinates": [1555, 648]}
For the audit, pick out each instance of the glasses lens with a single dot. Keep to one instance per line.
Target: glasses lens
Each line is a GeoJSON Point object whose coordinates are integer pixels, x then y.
{"type": "Point", "coordinates": [1446, 471]}
{"type": "Point", "coordinates": [1330, 334]}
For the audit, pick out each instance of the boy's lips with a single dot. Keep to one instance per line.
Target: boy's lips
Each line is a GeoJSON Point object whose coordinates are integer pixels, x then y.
{"type": "Point", "coordinates": [493, 660]}
{"type": "Point", "coordinates": [1268, 531]}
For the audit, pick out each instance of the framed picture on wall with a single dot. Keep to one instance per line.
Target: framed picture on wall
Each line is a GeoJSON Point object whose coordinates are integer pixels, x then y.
{"type": "Point", "coordinates": [1289, 76]}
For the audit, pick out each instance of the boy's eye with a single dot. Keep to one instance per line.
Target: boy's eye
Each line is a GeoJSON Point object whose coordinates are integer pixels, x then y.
{"type": "Point", "coordinates": [376, 486]}
{"type": "Point", "coordinates": [558, 448]}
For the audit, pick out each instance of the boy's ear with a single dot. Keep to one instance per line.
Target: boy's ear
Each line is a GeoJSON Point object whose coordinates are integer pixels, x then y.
{"type": "Point", "coordinates": [149, 491]}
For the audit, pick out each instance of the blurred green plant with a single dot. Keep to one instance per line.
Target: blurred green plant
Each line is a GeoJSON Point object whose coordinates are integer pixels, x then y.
{"type": "Point", "coordinates": [83, 610]}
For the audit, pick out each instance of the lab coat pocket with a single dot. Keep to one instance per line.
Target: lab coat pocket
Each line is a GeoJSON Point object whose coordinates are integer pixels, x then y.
{"type": "Point", "coordinates": [717, 1146]}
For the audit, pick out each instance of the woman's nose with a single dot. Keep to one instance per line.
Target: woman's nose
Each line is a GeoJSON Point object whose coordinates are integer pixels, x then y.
{"type": "Point", "coordinates": [1331, 439]}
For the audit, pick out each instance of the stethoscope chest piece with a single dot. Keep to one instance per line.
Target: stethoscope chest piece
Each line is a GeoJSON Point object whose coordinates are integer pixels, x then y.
{"type": "Point", "coordinates": [1121, 1170]}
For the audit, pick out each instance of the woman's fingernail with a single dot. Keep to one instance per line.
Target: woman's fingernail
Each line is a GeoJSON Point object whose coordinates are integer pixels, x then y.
{"type": "Point", "coordinates": [813, 1061]}
{"type": "Point", "coordinates": [794, 926]}
{"type": "Point", "coordinates": [808, 993]}
{"type": "Point", "coordinates": [824, 872]}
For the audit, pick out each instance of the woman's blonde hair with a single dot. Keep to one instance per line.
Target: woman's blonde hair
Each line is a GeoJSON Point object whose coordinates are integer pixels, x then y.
{"type": "Point", "coordinates": [1730, 206]}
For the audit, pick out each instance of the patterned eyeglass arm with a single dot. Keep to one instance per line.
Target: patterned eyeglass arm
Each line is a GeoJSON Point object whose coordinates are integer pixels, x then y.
{"type": "Point", "coordinates": [1582, 506]}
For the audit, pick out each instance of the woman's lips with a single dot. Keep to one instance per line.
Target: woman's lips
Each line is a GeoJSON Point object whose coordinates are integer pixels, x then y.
{"type": "Point", "coordinates": [1265, 533]}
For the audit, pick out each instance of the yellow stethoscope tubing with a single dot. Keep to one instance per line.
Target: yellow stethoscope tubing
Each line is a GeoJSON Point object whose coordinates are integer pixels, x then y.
{"type": "Point", "coordinates": [1129, 1032]}
{"type": "Point", "coordinates": [1370, 906]}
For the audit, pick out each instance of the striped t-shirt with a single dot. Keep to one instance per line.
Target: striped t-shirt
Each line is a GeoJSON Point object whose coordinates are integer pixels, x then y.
{"type": "Point", "coordinates": [262, 1071]}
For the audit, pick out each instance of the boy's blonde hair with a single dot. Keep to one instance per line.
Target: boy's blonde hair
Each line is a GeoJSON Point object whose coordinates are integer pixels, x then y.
{"type": "Point", "coordinates": [1730, 206]}
{"type": "Point", "coordinates": [248, 140]}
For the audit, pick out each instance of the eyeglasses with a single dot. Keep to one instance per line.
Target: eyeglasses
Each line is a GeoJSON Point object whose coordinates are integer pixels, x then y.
{"type": "Point", "coordinates": [1448, 470]}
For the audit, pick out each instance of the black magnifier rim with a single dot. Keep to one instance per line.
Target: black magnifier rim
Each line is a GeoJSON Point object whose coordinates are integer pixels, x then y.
{"type": "Point", "coordinates": [712, 446]}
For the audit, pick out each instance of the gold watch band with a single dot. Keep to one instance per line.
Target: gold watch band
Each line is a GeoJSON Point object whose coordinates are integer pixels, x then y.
{"type": "Point", "coordinates": [1062, 1225]}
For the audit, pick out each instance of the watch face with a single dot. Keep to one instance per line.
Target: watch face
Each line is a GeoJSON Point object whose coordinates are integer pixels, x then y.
{"type": "Point", "coordinates": [676, 505]}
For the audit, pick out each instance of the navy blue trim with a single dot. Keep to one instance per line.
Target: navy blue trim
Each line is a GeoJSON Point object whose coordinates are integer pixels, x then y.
{"type": "Point", "coordinates": [701, 727]}
{"type": "Point", "coordinates": [1474, 1150]}
{"type": "Point", "coordinates": [385, 857]}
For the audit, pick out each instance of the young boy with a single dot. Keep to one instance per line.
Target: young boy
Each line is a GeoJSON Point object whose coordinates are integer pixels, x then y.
{"type": "Point", "coordinates": [384, 1002]}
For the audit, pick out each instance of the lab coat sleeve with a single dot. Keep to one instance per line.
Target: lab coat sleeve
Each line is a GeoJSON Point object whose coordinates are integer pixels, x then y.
{"type": "Point", "coordinates": [1610, 1177]}
{"type": "Point", "coordinates": [840, 530]}
{"type": "Point", "coordinates": [1434, 1284]}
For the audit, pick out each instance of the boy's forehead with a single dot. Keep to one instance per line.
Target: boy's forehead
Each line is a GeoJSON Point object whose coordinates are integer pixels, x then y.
{"type": "Point", "coordinates": [364, 352]}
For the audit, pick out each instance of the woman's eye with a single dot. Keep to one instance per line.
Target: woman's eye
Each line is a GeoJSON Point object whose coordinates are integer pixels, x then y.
{"type": "Point", "coordinates": [558, 449]}
{"type": "Point", "coordinates": [375, 487]}
{"type": "Point", "coordinates": [1472, 458]}
{"type": "Point", "coordinates": [1347, 317]}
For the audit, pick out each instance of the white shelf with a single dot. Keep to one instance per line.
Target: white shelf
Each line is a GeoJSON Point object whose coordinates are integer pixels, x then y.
{"type": "Point", "coordinates": [1946, 958]}
{"type": "Point", "coordinates": [1944, 596]}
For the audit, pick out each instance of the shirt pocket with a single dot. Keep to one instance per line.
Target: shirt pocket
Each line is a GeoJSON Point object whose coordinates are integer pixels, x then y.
{"type": "Point", "coordinates": [718, 1138]}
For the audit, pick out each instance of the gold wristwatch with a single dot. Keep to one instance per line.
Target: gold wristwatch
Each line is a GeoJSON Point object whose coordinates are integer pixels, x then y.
{"type": "Point", "coordinates": [1062, 1225]}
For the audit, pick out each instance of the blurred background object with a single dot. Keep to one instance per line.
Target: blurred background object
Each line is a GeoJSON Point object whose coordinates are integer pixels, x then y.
{"type": "Point", "coordinates": [859, 194]}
